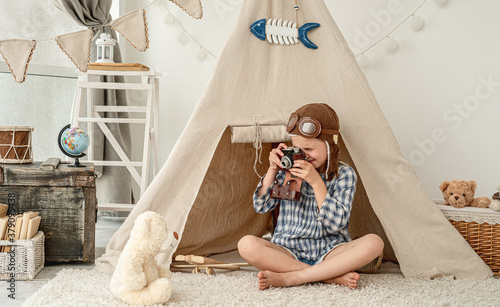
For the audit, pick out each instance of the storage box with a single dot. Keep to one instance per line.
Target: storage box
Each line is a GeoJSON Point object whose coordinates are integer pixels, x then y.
{"type": "Point", "coordinates": [66, 199]}
{"type": "Point", "coordinates": [28, 258]}
{"type": "Point", "coordinates": [481, 228]}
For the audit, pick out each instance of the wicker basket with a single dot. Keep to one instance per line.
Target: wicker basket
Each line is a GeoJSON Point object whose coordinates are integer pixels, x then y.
{"type": "Point", "coordinates": [29, 258]}
{"type": "Point", "coordinates": [481, 228]}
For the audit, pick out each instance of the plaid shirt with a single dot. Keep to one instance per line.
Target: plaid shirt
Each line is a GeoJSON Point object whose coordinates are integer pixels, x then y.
{"type": "Point", "coordinates": [301, 227]}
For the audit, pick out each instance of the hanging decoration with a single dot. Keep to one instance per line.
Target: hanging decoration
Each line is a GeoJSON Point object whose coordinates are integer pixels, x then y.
{"type": "Point", "coordinates": [201, 53]}
{"type": "Point", "coordinates": [134, 28]}
{"type": "Point", "coordinates": [184, 36]}
{"type": "Point", "coordinates": [391, 45]}
{"type": "Point", "coordinates": [77, 46]}
{"type": "Point", "coordinates": [17, 54]}
{"type": "Point", "coordinates": [440, 2]}
{"type": "Point", "coordinates": [192, 7]}
{"type": "Point", "coordinates": [416, 23]}
{"type": "Point", "coordinates": [279, 32]}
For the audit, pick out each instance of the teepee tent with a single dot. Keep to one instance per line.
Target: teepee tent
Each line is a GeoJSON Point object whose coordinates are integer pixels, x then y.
{"type": "Point", "coordinates": [205, 188]}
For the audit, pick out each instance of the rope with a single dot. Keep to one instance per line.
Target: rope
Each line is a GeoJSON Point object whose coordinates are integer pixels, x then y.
{"type": "Point", "coordinates": [257, 144]}
{"type": "Point", "coordinates": [13, 146]}
{"type": "Point", "coordinates": [328, 159]}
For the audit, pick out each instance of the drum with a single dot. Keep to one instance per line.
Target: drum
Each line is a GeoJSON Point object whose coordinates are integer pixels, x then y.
{"type": "Point", "coordinates": [15, 144]}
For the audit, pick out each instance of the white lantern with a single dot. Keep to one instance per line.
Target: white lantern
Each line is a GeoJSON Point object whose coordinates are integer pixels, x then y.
{"type": "Point", "coordinates": [105, 46]}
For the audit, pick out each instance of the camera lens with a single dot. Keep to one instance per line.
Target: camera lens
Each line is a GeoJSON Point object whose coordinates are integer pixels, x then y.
{"type": "Point", "coordinates": [286, 162]}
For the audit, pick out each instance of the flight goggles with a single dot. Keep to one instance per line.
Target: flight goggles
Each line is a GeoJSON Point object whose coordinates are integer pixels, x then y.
{"type": "Point", "coordinates": [307, 127]}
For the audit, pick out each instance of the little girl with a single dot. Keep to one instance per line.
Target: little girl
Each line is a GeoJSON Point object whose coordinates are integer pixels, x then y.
{"type": "Point", "coordinates": [310, 242]}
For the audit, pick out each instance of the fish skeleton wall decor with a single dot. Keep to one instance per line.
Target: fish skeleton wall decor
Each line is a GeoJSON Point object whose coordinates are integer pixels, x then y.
{"type": "Point", "coordinates": [283, 32]}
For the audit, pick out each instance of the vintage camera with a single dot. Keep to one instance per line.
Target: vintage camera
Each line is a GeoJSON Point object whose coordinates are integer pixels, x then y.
{"type": "Point", "coordinates": [291, 154]}
{"type": "Point", "coordinates": [290, 189]}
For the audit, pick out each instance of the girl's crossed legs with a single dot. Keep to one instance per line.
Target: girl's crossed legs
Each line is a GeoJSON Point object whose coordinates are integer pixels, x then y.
{"type": "Point", "coordinates": [280, 269]}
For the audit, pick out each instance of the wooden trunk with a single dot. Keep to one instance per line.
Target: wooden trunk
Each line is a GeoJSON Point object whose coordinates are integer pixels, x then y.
{"type": "Point", "coordinates": [66, 199]}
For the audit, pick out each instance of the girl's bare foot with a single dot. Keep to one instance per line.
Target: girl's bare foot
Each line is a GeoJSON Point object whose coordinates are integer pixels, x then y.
{"type": "Point", "coordinates": [349, 279]}
{"type": "Point", "coordinates": [268, 279]}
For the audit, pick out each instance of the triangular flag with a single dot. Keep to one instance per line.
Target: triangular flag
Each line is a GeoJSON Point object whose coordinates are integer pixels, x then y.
{"type": "Point", "coordinates": [134, 28]}
{"type": "Point", "coordinates": [17, 54]}
{"type": "Point", "coordinates": [192, 7]}
{"type": "Point", "coordinates": [77, 46]}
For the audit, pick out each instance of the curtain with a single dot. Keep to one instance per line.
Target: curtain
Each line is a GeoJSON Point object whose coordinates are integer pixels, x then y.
{"type": "Point", "coordinates": [114, 185]}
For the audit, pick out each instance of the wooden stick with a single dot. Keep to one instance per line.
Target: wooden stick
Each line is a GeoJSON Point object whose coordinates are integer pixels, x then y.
{"type": "Point", "coordinates": [215, 266]}
{"type": "Point", "coordinates": [192, 259]}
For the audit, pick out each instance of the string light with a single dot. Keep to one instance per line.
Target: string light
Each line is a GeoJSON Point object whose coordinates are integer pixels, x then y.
{"type": "Point", "coordinates": [417, 23]}
{"type": "Point", "coordinates": [201, 53]}
{"type": "Point", "coordinates": [184, 36]}
{"type": "Point", "coordinates": [391, 45]}
{"type": "Point", "coordinates": [364, 61]}
{"type": "Point", "coordinates": [169, 19]}
{"type": "Point", "coordinates": [440, 2]}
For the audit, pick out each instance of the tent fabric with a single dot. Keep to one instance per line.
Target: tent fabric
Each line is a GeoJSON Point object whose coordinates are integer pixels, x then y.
{"type": "Point", "coordinates": [267, 134]}
{"type": "Point", "coordinates": [252, 78]}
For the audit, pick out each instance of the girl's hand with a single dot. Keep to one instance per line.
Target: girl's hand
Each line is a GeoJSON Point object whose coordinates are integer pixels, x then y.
{"type": "Point", "coordinates": [275, 157]}
{"type": "Point", "coordinates": [305, 170]}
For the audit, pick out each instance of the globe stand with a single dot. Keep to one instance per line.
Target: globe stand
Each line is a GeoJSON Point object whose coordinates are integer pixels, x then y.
{"type": "Point", "coordinates": [76, 163]}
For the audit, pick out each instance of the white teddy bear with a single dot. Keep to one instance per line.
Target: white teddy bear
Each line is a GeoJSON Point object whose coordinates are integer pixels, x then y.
{"type": "Point", "coordinates": [137, 278]}
{"type": "Point", "coordinates": [495, 201]}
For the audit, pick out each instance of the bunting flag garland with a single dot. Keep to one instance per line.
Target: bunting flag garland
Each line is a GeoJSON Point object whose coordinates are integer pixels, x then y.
{"type": "Point", "coordinates": [17, 54]}
{"type": "Point", "coordinates": [192, 7]}
{"type": "Point", "coordinates": [77, 46]}
{"type": "Point", "coordinates": [134, 28]}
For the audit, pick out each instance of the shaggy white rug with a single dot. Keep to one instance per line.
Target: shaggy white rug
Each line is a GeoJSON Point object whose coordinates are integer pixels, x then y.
{"type": "Point", "coordinates": [80, 287]}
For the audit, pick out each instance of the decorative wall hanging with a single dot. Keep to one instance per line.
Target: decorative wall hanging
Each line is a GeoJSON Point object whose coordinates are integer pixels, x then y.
{"type": "Point", "coordinates": [192, 7]}
{"type": "Point", "coordinates": [201, 52]}
{"type": "Point", "coordinates": [134, 28]}
{"type": "Point", "coordinates": [282, 32]}
{"type": "Point", "coordinates": [77, 45]}
{"type": "Point", "coordinates": [17, 54]}
{"type": "Point", "coordinates": [416, 23]}
{"type": "Point", "coordinates": [279, 32]}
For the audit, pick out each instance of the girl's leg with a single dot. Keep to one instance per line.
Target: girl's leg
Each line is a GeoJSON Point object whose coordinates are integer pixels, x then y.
{"type": "Point", "coordinates": [341, 261]}
{"type": "Point", "coordinates": [265, 255]}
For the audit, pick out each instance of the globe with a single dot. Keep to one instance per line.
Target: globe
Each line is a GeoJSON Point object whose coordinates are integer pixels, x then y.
{"type": "Point", "coordinates": [74, 140]}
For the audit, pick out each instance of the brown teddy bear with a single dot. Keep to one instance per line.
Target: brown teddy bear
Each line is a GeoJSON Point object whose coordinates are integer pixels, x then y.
{"type": "Point", "coordinates": [460, 193]}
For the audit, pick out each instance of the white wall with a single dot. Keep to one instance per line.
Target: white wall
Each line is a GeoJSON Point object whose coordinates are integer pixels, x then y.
{"type": "Point", "coordinates": [432, 90]}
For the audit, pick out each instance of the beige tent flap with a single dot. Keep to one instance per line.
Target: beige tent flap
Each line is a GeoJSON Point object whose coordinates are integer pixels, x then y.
{"type": "Point", "coordinates": [254, 77]}
{"type": "Point", "coordinates": [223, 210]}
{"type": "Point", "coordinates": [267, 134]}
